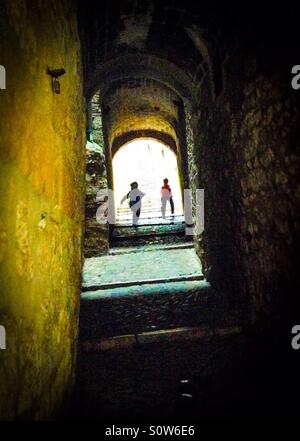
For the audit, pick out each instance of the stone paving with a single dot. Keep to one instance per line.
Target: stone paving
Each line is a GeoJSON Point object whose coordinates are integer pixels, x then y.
{"type": "Point", "coordinates": [148, 308]}
{"type": "Point", "coordinates": [140, 307]}
{"type": "Point", "coordinates": [141, 265]}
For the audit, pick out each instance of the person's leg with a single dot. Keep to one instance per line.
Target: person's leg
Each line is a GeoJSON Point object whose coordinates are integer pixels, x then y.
{"type": "Point", "coordinates": [163, 207]}
{"type": "Point", "coordinates": [136, 211]}
{"type": "Point", "coordinates": [134, 217]}
{"type": "Point", "coordinates": [172, 205]}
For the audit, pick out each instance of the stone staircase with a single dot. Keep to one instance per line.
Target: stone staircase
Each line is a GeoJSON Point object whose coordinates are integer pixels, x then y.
{"type": "Point", "coordinates": [151, 208]}
{"type": "Point", "coordinates": [151, 280]}
{"type": "Point", "coordinates": [155, 338]}
{"type": "Point", "coordinates": [171, 231]}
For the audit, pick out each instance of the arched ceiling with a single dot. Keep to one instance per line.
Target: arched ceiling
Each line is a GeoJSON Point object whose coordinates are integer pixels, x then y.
{"type": "Point", "coordinates": [143, 134]}
{"type": "Point", "coordinates": [130, 66]}
{"type": "Point", "coordinates": [140, 105]}
{"type": "Point", "coordinates": [170, 38]}
{"type": "Point", "coordinates": [167, 43]}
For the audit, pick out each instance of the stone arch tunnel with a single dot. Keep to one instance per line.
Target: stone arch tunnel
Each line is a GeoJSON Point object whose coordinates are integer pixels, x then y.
{"type": "Point", "coordinates": [122, 321]}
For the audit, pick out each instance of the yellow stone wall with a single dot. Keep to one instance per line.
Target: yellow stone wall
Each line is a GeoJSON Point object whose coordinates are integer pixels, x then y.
{"type": "Point", "coordinates": [42, 157]}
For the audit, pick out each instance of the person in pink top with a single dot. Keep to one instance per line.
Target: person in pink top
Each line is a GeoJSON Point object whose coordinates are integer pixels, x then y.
{"type": "Point", "coordinates": [166, 195]}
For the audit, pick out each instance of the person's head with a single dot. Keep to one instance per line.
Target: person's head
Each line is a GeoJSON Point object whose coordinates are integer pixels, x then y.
{"type": "Point", "coordinates": [134, 185]}
{"type": "Point", "coordinates": [166, 181]}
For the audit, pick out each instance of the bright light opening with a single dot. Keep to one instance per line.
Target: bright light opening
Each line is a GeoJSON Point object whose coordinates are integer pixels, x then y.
{"type": "Point", "coordinates": [147, 162]}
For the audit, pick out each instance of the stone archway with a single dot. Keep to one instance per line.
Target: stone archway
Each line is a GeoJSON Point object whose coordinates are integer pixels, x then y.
{"type": "Point", "coordinates": [146, 161]}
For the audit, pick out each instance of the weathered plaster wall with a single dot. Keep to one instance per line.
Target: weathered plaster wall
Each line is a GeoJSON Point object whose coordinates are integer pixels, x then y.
{"type": "Point", "coordinates": [42, 162]}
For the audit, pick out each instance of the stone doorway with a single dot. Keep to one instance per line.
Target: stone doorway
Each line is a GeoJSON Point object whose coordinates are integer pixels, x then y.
{"type": "Point", "coordinates": [148, 162]}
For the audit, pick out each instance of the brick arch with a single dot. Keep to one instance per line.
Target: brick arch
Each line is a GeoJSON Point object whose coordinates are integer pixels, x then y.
{"type": "Point", "coordinates": [164, 138]}
{"type": "Point", "coordinates": [147, 66]}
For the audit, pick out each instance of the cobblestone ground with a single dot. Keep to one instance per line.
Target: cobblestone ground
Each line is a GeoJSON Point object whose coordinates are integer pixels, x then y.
{"type": "Point", "coordinates": [153, 307]}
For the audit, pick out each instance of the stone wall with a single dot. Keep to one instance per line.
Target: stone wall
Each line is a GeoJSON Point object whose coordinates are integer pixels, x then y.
{"type": "Point", "coordinates": [247, 155]}
{"type": "Point", "coordinates": [96, 236]}
{"type": "Point", "coordinates": [41, 197]}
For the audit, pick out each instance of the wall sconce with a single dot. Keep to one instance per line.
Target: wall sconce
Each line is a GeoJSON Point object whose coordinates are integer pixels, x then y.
{"type": "Point", "coordinates": [55, 74]}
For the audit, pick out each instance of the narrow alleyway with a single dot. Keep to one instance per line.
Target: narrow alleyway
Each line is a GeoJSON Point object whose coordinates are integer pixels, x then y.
{"type": "Point", "coordinates": [106, 321]}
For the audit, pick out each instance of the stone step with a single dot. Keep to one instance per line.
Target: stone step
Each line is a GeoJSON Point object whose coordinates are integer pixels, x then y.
{"type": "Point", "coordinates": [138, 309]}
{"type": "Point", "coordinates": [163, 246]}
{"type": "Point", "coordinates": [131, 283]}
{"type": "Point", "coordinates": [183, 374]}
{"type": "Point", "coordinates": [145, 207]}
{"type": "Point", "coordinates": [155, 220]}
{"type": "Point", "coordinates": [149, 240]}
{"type": "Point", "coordinates": [170, 335]}
{"type": "Point", "coordinates": [123, 232]}
{"type": "Point", "coordinates": [140, 268]}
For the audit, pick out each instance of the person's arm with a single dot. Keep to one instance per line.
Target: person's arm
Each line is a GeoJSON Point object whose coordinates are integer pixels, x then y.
{"type": "Point", "coordinates": [124, 198]}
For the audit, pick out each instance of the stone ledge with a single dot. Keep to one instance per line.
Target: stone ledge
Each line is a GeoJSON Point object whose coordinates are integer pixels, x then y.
{"type": "Point", "coordinates": [177, 334]}
{"type": "Point", "coordinates": [136, 249]}
{"type": "Point", "coordinates": [127, 283]}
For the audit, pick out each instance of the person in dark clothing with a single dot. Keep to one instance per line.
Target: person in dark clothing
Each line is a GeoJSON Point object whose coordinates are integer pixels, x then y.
{"type": "Point", "coordinates": [134, 196]}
